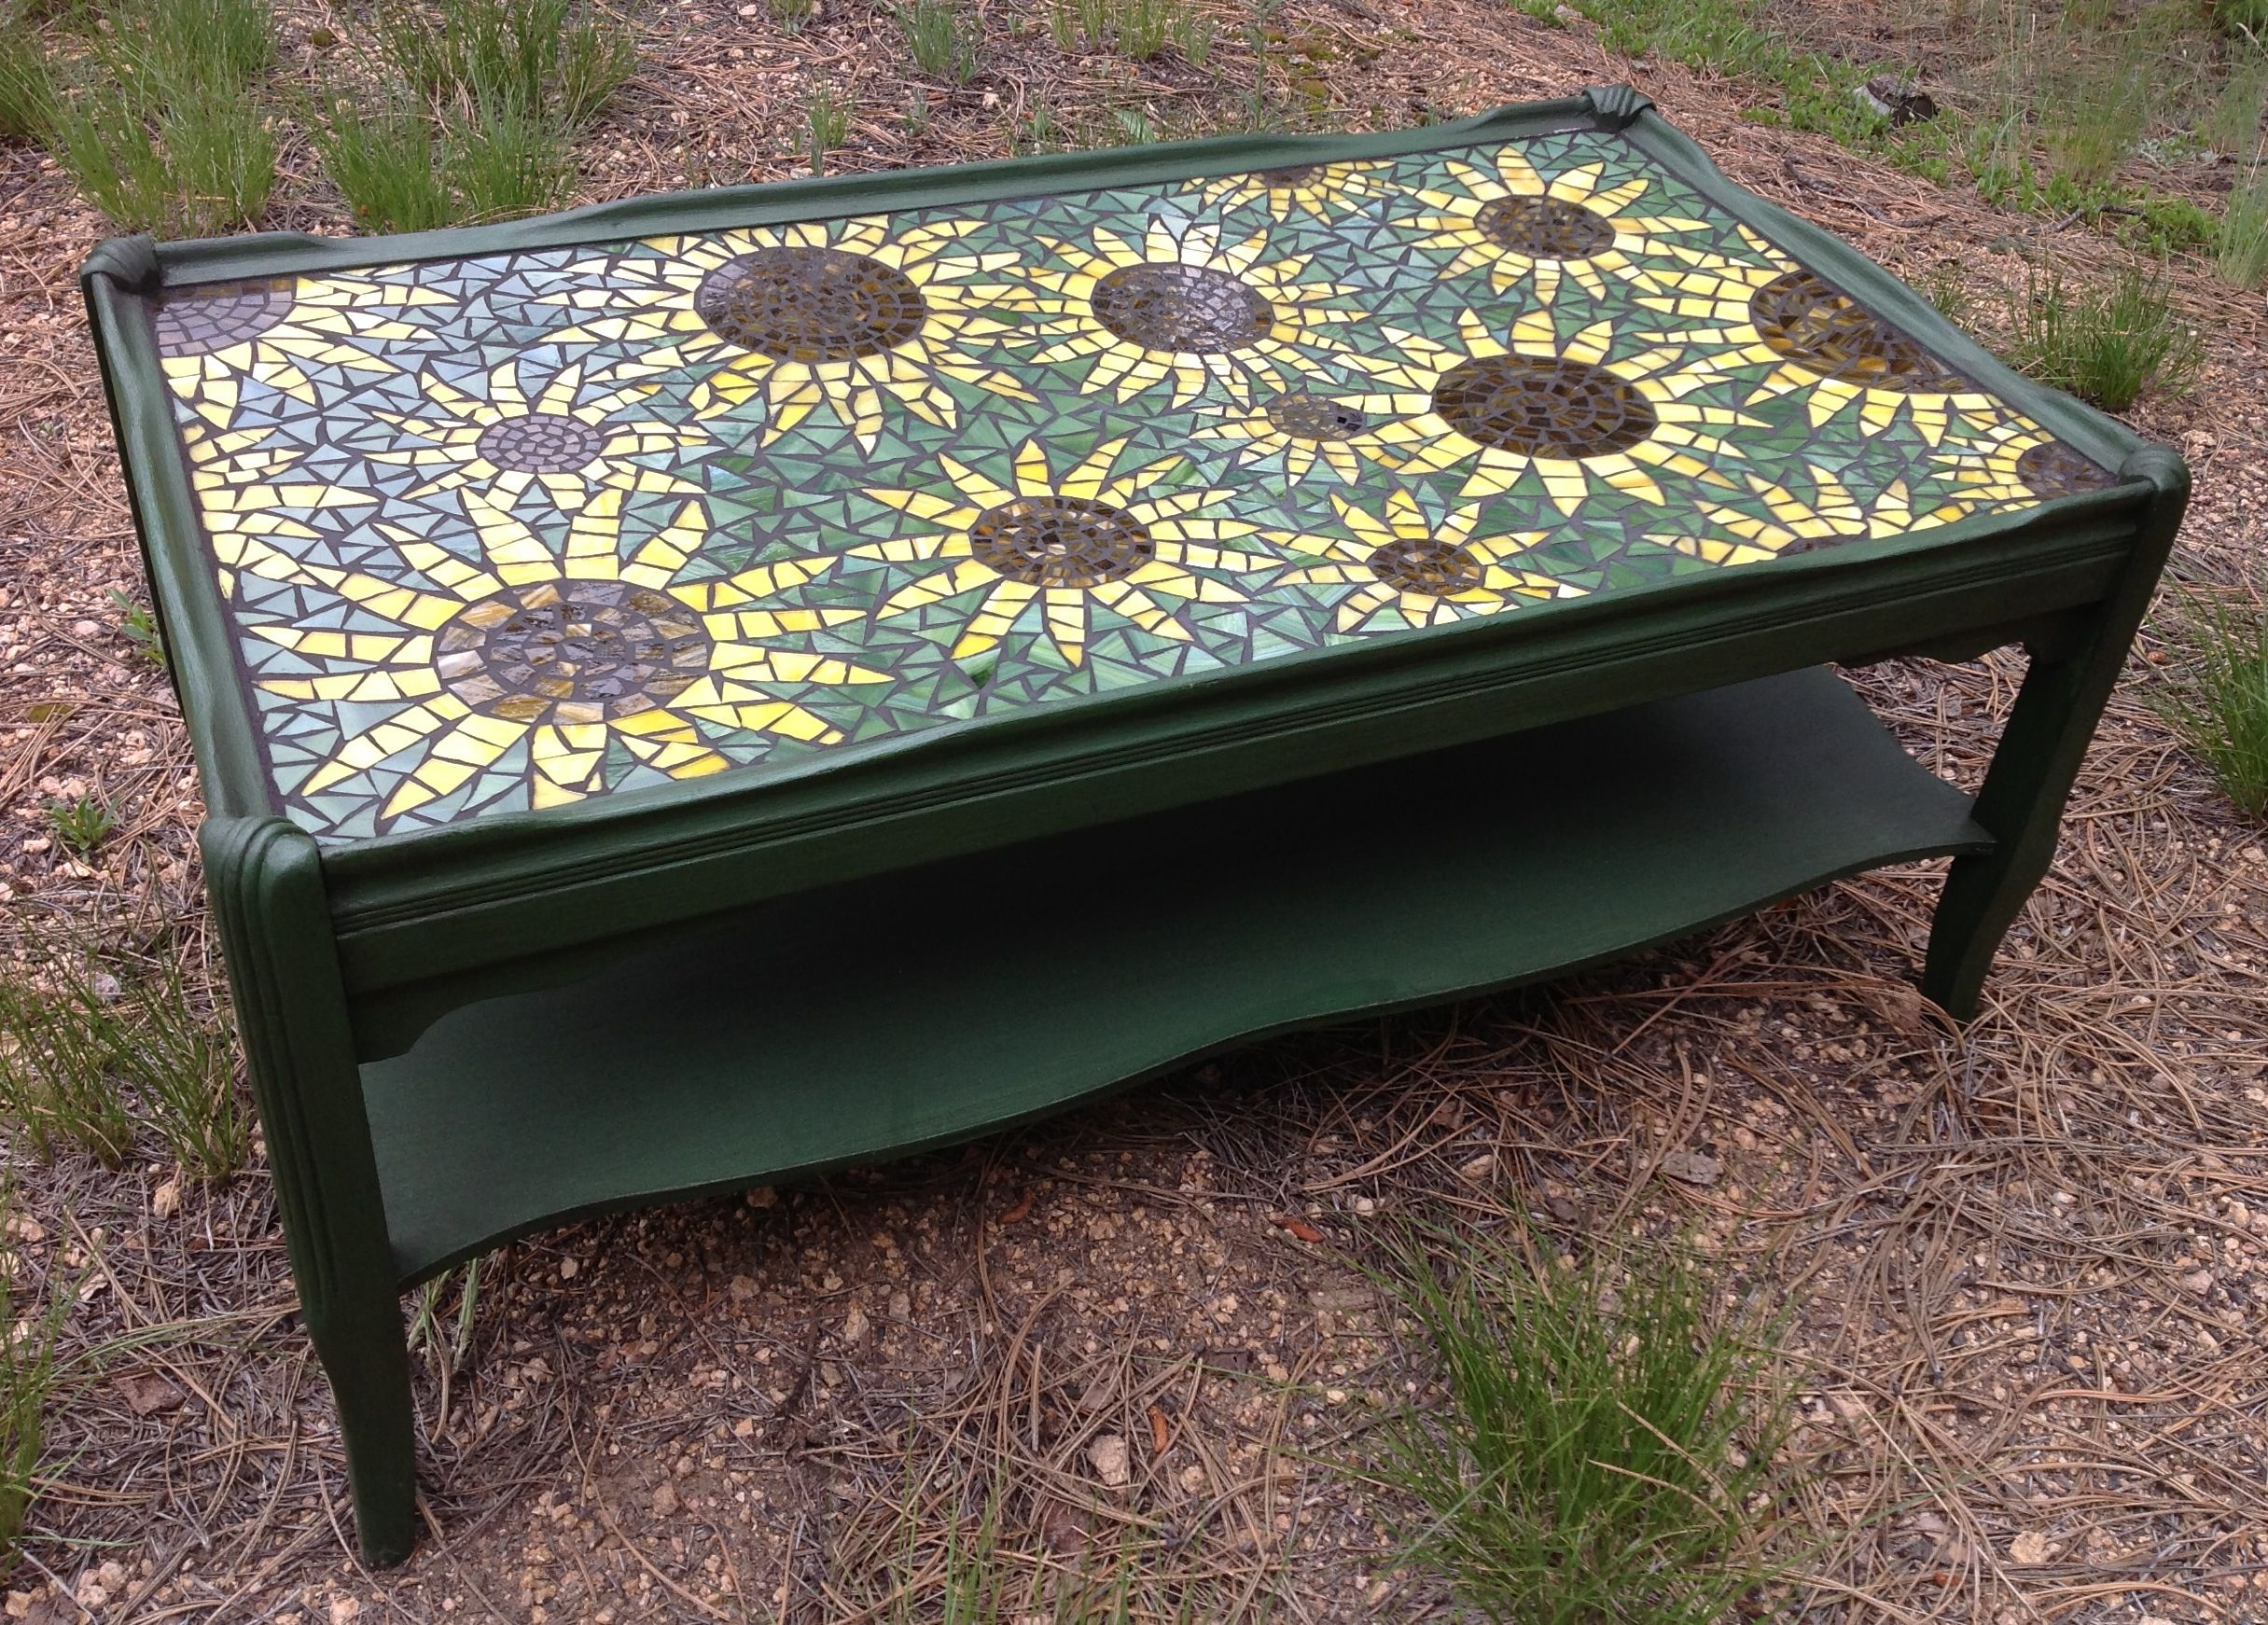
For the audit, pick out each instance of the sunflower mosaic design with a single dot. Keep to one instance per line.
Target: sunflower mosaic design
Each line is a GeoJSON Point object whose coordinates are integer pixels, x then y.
{"type": "Point", "coordinates": [1324, 191]}
{"type": "Point", "coordinates": [1407, 570]}
{"type": "Point", "coordinates": [1791, 524]}
{"type": "Point", "coordinates": [1182, 311]}
{"type": "Point", "coordinates": [502, 533]}
{"type": "Point", "coordinates": [1814, 339]}
{"type": "Point", "coordinates": [2016, 461]}
{"type": "Point", "coordinates": [578, 670]}
{"type": "Point", "coordinates": [1067, 545]}
{"type": "Point", "coordinates": [1498, 407]}
{"type": "Point", "coordinates": [1519, 225]}
{"type": "Point", "coordinates": [280, 333]}
{"type": "Point", "coordinates": [857, 316]}
{"type": "Point", "coordinates": [1303, 432]}
{"type": "Point", "coordinates": [506, 446]}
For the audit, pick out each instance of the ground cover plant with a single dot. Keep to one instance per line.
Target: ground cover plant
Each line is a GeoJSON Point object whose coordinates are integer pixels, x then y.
{"type": "Point", "coordinates": [1117, 1367]}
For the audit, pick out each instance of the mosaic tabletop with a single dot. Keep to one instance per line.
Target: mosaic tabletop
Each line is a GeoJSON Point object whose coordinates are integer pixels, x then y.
{"type": "Point", "coordinates": [504, 532]}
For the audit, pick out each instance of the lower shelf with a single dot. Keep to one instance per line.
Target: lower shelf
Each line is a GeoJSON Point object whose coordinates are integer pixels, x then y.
{"type": "Point", "coordinates": [931, 1005]}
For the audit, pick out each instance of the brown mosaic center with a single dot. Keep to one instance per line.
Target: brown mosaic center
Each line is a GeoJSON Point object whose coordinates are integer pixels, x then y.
{"type": "Point", "coordinates": [1544, 405]}
{"type": "Point", "coordinates": [1544, 228]}
{"type": "Point", "coordinates": [541, 443]}
{"type": "Point", "coordinates": [1190, 310]}
{"type": "Point", "coordinates": [1822, 330]}
{"type": "Point", "coordinates": [2052, 468]}
{"type": "Point", "coordinates": [196, 321]}
{"type": "Point", "coordinates": [1313, 416]}
{"type": "Point", "coordinates": [1427, 565]}
{"type": "Point", "coordinates": [571, 651]}
{"type": "Point", "coordinates": [810, 304]}
{"type": "Point", "coordinates": [1059, 541]}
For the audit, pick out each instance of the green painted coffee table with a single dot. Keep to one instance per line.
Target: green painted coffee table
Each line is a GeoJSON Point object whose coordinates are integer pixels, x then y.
{"type": "Point", "coordinates": [723, 686]}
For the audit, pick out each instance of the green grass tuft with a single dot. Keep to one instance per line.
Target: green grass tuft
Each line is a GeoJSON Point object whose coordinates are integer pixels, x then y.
{"type": "Point", "coordinates": [941, 41]}
{"type": "Point", "coordinates": [27, 1380]}
{"type": "Point", "coordinates": [554, 58]}
{"type": "Point", "coordinates": [86, 1048]}
{"type": "Point", "coordinates": [2218, 701]}
{"type": "Point", "coordinates": [2240, 247]}
{"type": "Point", "coordinates": [161, 124]}
{"type": "Point", "coordinates": [1601, 1446]}
{"type": "Point", "coordinates": [2106, 345]}
{"type": "Point", "coordinates": [826, 122]}
{"type": "Point", "coordinates": [1136, 30]}
{"type": "Point", "coordinates": [26, 93]}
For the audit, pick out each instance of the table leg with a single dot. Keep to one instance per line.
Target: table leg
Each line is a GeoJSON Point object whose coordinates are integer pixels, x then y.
{"type": "Point", "coordinates": [267, 885]}
{"type": "Point", "coordinates": [2022, 802]}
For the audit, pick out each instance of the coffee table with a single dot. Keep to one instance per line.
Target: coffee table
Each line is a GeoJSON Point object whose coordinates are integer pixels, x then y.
{"type": "Point", "coordinates": [718, 686]}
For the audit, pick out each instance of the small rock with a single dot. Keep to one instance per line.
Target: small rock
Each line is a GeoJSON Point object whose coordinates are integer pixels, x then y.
{"type": "Point", "coordinates": [165, 1201]}
{"type": "Point", "coordinates": [1109, 1456]}
{"type": "Point", "coordinates": [147, 1392]}
{"type": "Point", "coordinates": [1691, 1168]}
{"type": "Point", "coordinates": [344, 1609]}
{"type": "Point", "coordinates": [2198, 1281]}
{"type": "Point", "coordinates": [2031, 1546]}
{"type": "Point", "coordinates": [665, 1500]}
{"type": "Point", "coordinates": [742, 1288]}
{"type": "Point", "coordinates": [568, 1268]}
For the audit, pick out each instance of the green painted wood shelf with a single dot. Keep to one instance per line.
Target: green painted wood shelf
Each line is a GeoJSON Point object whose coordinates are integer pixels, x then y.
{"type": "Point", "coordinates": [827, 1027]}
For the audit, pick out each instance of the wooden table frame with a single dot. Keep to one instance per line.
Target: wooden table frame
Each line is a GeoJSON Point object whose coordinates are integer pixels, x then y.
{"type": "Point", "coordinates": [339, 958]}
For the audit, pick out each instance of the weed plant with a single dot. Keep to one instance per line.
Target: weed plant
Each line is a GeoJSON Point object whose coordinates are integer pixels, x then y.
{"type": "Point", "coordinates": [2218, 703]}
{"type": "Point", "coordinates": [2240, 247]}
{"type": "Point", "coordinates": [138, 626]}
{"type": "Point", "coordinates": [81, 824]}
{"type": "Point", "coordinates": [2106, 345]}
{"type": "Point", "coordinates": [1601, 1445]}
{"type": "Point", "coordinates": [941, 42]}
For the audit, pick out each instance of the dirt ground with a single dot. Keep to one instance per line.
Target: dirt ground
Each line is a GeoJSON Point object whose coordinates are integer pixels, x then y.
{"type": "Point", "coordinates": [2029, 1259]}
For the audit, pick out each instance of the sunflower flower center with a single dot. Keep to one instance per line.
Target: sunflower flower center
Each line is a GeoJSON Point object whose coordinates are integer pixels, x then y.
{"type": "Point", "coordinates": [196, 321]}
{"type": "Point", "coordinates": [1544, 228]}
{"type": "Point", "coordinates": [1543, 406]}
{"type": "Point", "coordinates": [1189, 309]}
{"type": "Point", "coordinates": [571, 651]}
{"type": "Point", "coordinates": [540, 443]}
{"type": "Point", "coordinates": [2052, 468]}
{"type": "Point", "coordinates": [1816, 325]}
{"type": "Point", "coordinates": [1313, 416]}
{"type": "Point", "coordinates": [810, 304]}
{"type": "Point", "coordinates": [1059, 541]}
{"type": "Point", "coordinates": [1425, 564]}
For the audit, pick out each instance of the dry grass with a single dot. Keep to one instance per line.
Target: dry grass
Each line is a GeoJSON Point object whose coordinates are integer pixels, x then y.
{"type": "Point", "coordinates": [2031, 1254]}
